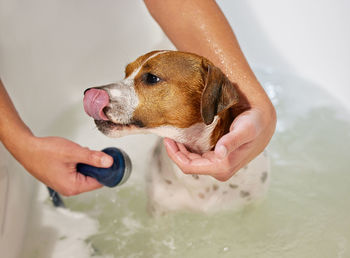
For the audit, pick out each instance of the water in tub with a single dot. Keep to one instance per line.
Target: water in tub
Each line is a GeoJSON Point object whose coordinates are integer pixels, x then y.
{"type": "Point", "coordinates": [305, 214]}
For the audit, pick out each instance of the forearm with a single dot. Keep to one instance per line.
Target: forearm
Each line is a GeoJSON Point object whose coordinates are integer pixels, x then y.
{"type": "Point", "coordinates": [14, 134]}
{"type": "Point", "coordinates": [200, 27]}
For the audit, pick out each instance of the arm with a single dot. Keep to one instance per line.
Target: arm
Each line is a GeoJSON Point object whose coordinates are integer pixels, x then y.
{"type": "Point", "coordinates": [51, 160]}
{"type": "Point", "coordinates": [200, 27]}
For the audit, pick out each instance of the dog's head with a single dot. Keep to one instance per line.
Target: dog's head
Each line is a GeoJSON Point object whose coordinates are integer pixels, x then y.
{"type": "Point", "coordinates": [161, 89]}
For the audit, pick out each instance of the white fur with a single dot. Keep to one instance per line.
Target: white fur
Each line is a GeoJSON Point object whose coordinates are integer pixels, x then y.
{"type": "Point", "coordinates": [130, 79]}
{"type": "Point", "coordinates": [197, 136]}
{"type": "Point", "coordinates": [169, 189]}
{"type": "Point", "coordinates": [123, 102]}
{"type": "Point", "coordinates": [115, 93]}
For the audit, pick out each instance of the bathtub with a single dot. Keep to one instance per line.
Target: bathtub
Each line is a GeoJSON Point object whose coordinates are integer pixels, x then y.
{"type": "Point", "coordinates": [52, 50]}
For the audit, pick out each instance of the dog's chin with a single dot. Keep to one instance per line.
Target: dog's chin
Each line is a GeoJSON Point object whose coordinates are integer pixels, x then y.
{"type": "Point", "coordinates": [112, 129]}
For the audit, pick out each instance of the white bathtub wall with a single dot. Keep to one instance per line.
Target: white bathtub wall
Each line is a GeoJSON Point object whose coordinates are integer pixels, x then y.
{"type": "Point", "coordinates": [16, 196]}
{"type": "Point", "coordinates": [52, 50]}
{"type": "Point", "coordinates": [308, 38]}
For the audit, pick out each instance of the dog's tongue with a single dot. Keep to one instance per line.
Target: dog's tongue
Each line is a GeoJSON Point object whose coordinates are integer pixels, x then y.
{"type": "Point", "coordinates": [94, 102]}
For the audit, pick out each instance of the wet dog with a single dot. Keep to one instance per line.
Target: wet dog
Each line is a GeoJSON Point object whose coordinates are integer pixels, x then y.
{"type": "Point", "coordinates": [184, 97]}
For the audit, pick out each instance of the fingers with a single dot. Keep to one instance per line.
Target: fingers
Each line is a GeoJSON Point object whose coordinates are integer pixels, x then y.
{"type": "Point", "coordinates": [54, 163]}
{"type": "Point", "coordinates": [191, 163]}
{"type": "Point", "coordinates": [208, 163]}
{"type": "Point", "coordinates": [243, 130]}
{"type": "Point", "coordinates": [73, 182]}
{"type": "Point", "coordinates": [230, 154]}
{"type": "Point", "coordinates": [94, 158]}
{"type": "Point", "coordinates": [77, 184]}
{"type": "Point", "coordinates": [69, 182]}
{"type": "Point", "coordinates": [81, 183]}
{"type": "Point", "coordinates": [84, 184]}
{"type": "Point", "coordinates": [73, 153]}
{"type": "Point", "coordinates": [175, 154]}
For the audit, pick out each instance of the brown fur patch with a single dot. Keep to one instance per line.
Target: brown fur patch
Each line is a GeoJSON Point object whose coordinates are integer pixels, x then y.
{"type": "Point", "coordinates": [175, 100]}
{"type": "Point", "coordinates": [218, 95]}
{"type": "Point", "coordinates": [137, 63]}
{"type": "Point", "coordinates": [226, 118]}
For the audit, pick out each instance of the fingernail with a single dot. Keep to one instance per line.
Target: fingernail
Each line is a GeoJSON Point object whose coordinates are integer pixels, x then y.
{"type": "Point", "coordinates": [106, 161]}
{"type": "Point", "coordinates": [169, 145]}
{"type": "Point", "coordinates": [221, 151]}
{"type": "Point", "coordinates": [166, 142]}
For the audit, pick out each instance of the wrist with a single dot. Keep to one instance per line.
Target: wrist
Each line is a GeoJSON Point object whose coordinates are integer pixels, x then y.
{"type": "Point", "coordinates": [17, 143]}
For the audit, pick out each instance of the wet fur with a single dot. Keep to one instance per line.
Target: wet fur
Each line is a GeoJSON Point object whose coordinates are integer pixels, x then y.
{"type": "Point", "coordinates": [193, 103]}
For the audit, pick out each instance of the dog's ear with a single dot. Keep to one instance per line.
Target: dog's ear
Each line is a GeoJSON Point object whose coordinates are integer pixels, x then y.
{"type": "Point", "coordinates": [218, 95]}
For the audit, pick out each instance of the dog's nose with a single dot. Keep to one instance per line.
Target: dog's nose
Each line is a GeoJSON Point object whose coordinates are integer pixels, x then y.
{"type": "Point", "coordinates": [87, 90]}
{"type": "Point", "coordinates": [95, 100]}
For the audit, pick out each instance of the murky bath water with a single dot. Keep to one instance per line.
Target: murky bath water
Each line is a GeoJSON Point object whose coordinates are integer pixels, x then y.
{"type": "Point", "coordinates": [306, 213]}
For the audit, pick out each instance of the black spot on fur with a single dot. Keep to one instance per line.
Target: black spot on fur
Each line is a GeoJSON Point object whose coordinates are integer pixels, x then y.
{"type": "Point", "coordinates": [138, 123]}
{"type": "Point", "coordinates": [159, 163]}
{"type": "Point", "coordinates": [264, 176]}
{"type": "Point", "coordinates": [168, 181]}
{"type": "Point", "coordinates": [244, 194]}
{"type": "Point", "coordinates": [233, 186]}
{"type": "Point", "coordinates": [195, 176]}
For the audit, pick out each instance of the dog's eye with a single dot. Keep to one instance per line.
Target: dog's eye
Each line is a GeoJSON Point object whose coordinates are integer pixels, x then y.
{"type": "Point", "coordinates": [151, 78]}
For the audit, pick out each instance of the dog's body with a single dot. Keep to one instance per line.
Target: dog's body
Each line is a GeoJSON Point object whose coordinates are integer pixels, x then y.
{"type": "Point", "coordinates": [169, 189]}
{"type": "Point", "coordinates": [184, 97]}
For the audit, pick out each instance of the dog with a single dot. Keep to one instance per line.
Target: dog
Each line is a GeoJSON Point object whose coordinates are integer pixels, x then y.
{"type": "Point", "coordinates": [184, 97]}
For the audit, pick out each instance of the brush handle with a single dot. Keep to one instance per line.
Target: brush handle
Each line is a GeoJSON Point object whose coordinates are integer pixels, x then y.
{"type": "Point", "coordinates": [115, 175]}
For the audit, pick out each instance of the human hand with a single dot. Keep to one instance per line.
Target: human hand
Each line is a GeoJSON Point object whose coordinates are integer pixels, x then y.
{"type": "Point", "coordinates": [53, 160]}
{"type": "Point", "coordinates": [249, 134]}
